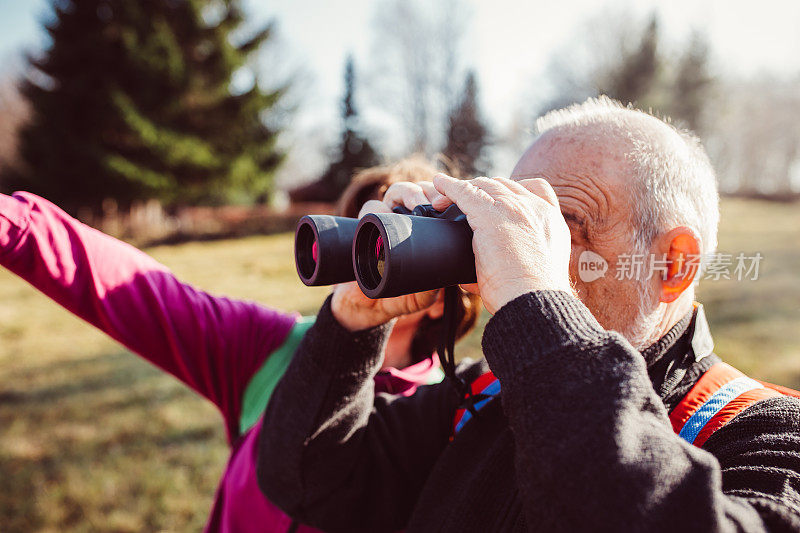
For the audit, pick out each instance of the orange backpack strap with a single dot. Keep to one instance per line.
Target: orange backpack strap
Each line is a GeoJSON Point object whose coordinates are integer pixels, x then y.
{"type": "Point", "coordinates": [786, 391]}
{"type": "Point", "coordinates": [720, 394]}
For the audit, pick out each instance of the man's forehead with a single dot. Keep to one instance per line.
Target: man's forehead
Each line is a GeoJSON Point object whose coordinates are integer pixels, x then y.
{"type": "Point", "coordinates": [579, 167]}
{"type": "Point", "coordinates": [571, 154]}
{"type": "Point", "coordinates": [588, 173]}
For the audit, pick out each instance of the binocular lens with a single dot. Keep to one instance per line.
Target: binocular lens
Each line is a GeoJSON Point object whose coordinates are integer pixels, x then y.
{"type": "Point", "coordinates": [396, 254]}
{"type": "Point", "coordinates": [370, 255]}
{"type": "Point", "coordinates": [306, 251]}
{"type": "Point", "coordinates": [323, 249]}
{"type": "Point", "coordinates": [380, 256]}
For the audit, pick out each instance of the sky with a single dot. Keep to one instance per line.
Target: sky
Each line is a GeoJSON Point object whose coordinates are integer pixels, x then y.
{"type": "Point", "coordinates": [509, 42]}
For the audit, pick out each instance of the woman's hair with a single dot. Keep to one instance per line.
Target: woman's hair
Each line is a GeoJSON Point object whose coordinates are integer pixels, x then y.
{"type": "Point", "coordinates": [371, 184]}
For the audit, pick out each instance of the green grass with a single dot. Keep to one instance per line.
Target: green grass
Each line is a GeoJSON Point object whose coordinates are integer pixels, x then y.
{"type": "Point", "coordinates": [92, 438]}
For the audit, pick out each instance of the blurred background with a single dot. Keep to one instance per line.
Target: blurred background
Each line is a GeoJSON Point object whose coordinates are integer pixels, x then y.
{"type": "Point", "coordinates": [201, 130]}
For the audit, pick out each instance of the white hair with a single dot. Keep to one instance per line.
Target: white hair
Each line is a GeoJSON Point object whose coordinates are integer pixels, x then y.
{"type": "Point", "coordinates": [674, 182]}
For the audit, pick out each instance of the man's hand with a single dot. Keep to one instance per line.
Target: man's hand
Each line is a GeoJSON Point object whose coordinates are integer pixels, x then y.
{"type": "Point", "coordinates": [355, 311]}
{"type": "Point", "coordinates": [521, 241]}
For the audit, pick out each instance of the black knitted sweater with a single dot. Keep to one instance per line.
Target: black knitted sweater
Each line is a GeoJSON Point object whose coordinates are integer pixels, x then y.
{"type": "Point", "coordinates": [579, 439]}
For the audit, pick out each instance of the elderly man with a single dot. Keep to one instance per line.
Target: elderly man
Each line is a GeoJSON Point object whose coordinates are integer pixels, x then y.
{"type": "Point", "coordinates": [576, 434]}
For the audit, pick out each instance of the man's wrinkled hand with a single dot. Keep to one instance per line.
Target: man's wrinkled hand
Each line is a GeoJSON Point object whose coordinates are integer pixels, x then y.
{"type": "Point", "coordinates": [521, 241]}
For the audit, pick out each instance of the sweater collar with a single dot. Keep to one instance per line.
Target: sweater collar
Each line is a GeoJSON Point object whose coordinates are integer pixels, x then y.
{"type": "Point", "coordinates": [669, 359]}
{"type": "Point", "coordinates": [690, 334]}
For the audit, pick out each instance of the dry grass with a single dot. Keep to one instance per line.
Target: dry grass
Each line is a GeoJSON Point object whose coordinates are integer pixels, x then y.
{"type": "Point", "coordinates": [92, 438]}
{"type": "Point", "coordinates": [756, 324]}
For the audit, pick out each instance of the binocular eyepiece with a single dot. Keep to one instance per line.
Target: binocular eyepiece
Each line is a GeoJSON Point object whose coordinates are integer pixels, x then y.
{"type": "Point", "coordinates": [388, 254]}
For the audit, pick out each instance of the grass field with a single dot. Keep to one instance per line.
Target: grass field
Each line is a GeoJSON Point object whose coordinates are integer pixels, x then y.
{"type": "Point", "coordinates": [92, 438]}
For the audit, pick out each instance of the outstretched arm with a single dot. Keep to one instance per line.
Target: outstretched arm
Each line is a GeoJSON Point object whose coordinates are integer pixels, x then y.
{"type": "Point", "coordinates": [212, 344]}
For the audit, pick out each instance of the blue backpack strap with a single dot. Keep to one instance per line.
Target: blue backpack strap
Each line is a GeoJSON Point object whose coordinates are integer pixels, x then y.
{"type": "Point", "coordinates": [483, 389]}
{"type": "Point", "coordinates": [720, 394]}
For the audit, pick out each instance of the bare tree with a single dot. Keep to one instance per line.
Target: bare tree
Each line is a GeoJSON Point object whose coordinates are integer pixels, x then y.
{"type": "Point", "coordinates": [590, 61]}
{"type": "Point", "coordinates": [753, 136]}
{"type": "Point", "coordinates": [416, 65]}
{"type": "Point", "coordinates": [749, 127]}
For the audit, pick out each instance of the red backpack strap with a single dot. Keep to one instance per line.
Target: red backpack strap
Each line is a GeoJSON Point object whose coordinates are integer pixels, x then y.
{"type": "Point", "coordinates": [720, 394]}
{"type": "Point", "coordinates": [487, 385]}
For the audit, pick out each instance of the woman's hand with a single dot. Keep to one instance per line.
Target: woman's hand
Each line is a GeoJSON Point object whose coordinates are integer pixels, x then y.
{"type": "Point", "coordinates": [355, 311]}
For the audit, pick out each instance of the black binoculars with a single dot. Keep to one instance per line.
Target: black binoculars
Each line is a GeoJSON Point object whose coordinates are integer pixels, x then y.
{"type": "Point", "coordinates": [388, 254]}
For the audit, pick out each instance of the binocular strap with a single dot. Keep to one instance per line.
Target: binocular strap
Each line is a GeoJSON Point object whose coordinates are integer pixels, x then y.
{"type": "Point", "coordinates": [451, 319]}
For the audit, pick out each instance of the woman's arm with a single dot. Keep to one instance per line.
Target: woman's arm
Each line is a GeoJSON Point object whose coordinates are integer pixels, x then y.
{"type": "Point", "coordinates": [212, 344]}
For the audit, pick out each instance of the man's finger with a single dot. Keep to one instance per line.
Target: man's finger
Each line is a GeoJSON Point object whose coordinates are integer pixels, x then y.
{"type": "Point", "coordinates": [542, 189]}
{"type": "Point", "coordinates": [429, 190]}
{"type": "Point", "coordinates": [514, 186]}
{"type": "Point", "coordinates": [469, 198]}
{"type": "Point", "coordinates": [441, 202]}
{"type": "Point", "coordinates": [492, 186]}
{"type": "Point", "coordinates": [374, 206]}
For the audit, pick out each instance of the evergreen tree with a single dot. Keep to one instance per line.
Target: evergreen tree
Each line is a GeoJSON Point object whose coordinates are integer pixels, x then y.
{"type": "Point", "coordinates": [133, 100]}
{"type": "Point", "coordinates": [637, 72]}
{"type": "Point", "coordinates": [467, 136]}
{"type": "Point", "coordinates": [693, 82]}
{"type": "Point", "coordinates": [355, 151]}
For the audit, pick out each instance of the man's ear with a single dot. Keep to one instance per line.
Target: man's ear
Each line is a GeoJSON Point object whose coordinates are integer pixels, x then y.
{"type": "Point", "coordinates": [681, 249]}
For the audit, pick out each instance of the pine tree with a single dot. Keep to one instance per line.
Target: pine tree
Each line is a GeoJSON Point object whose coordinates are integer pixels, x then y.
{"type": "Point", "coordinates": [637, 71]}
{"type": "Point", "coordinates": [133, 100]}
{"type": "Point", "coordinates": [692, 84]}
{"type": "Point", "coordinates": [355, 151]}
{"type": "Point", "coordinates": [467, 136]}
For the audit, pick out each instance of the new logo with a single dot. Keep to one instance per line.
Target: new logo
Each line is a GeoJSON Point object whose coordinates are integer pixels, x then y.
{"type": "Point", "coordinates": [591, 266]}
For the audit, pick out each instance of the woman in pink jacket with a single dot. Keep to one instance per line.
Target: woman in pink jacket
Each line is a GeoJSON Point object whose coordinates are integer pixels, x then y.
{"type": "Point", "coordinates": [231, 352]}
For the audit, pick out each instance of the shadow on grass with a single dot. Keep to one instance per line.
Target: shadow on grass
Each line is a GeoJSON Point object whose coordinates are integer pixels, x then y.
{"type": "Point", "coordinates": [73, 428]}
{"type": "Point", "coordinates": [64, 380]}
{"type": "Point", "coordinates": [18, 509]}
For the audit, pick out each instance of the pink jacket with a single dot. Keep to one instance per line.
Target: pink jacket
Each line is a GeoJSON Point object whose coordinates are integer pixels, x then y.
{"type": "Point", "coordinates": [213, 344]}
